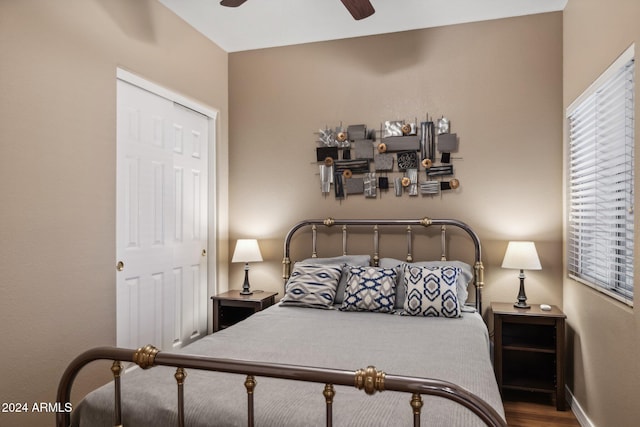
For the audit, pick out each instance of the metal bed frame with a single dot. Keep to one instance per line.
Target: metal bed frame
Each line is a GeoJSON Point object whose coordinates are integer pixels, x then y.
{"type": "Point", "coordinates": [369, 379]}
{"type": "Point", "coordinates": [375, 224]}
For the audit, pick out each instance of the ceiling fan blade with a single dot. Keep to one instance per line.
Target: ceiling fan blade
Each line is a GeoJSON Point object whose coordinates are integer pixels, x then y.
{"type": "Point", "coordinates": [232, 3]}
{"type": "Point", "coordinates": [359, 9]}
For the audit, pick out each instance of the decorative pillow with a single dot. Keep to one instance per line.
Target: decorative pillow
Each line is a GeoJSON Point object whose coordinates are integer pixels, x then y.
{"type": "Point", "coordinates": [370, 289]}
{"type": "Point", "coordinates": [431, 291]}
{"type": "Point", "coordinates": [356, 260]}
{"type": "Point", "coordinates": [312, 285]}
{"type": "Point", "coordinates": [464, 278]}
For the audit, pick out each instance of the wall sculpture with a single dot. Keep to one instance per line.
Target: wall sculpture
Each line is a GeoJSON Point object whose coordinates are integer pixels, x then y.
{"type": "Point", "coordinates": [407, 157]}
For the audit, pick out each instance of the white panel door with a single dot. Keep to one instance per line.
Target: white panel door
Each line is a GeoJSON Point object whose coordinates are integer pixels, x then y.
{"type": "Point", "coordinates": [161, 221]}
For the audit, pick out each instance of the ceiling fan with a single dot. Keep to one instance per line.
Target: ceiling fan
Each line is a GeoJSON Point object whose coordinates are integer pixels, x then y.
{"type": "Point", "coordinates": [359, 9]}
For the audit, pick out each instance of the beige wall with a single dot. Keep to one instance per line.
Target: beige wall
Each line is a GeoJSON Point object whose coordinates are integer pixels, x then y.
{"type": "Point", "coordinates": [604, 335]}
{"type": "Point", "coordinates": [57, 171]}
{"type": "Point", "coordinates": [500, 84]}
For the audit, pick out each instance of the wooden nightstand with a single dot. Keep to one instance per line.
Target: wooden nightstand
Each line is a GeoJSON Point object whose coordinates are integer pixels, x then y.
{"type": "Point", "coordinates": [231, 307]}
{"type": "Point", "coordinates": [529, 349]}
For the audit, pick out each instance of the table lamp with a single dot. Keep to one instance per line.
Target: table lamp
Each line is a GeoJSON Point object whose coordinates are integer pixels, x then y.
{"type": "Point", "coordinates": [521, 256]}
{"type": "Point", "coordinates": [246, 251]}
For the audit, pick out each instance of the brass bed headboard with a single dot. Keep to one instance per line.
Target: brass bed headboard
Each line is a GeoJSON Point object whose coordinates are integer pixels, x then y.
{"type": "Point", "coordinates": [374, 224]}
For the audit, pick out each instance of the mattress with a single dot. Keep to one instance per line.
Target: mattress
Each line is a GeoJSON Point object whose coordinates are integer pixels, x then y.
{"type": "Point", "coordinates": [450, 349]}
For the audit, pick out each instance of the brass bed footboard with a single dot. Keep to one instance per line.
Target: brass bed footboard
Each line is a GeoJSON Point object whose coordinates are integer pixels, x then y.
{"type": "Point", "coordinates": [369, 379]}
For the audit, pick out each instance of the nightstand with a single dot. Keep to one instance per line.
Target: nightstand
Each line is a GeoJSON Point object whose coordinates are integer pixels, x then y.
{"type": "Point", "coordinates": [231, 307]}
{"type": "Point", "coordinates": [529, 349]}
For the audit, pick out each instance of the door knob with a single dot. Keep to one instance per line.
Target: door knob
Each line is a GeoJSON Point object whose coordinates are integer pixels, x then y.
{"type": "Point", "coordinates": [204, 252]}
{"type": "Point", "coordinates": [120, 266]}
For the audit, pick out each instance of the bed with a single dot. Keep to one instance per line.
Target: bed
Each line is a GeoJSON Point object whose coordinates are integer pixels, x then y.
{"type": "Point", "coordinates": [339, 330]}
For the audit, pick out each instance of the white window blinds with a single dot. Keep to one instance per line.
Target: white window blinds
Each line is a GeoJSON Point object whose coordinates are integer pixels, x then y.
{"type": "Point", "coordinates": [601, 148]}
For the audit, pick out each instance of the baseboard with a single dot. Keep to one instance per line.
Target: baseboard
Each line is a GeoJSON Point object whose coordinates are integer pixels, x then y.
{"type": "Point", "coordinates": [582, 418]}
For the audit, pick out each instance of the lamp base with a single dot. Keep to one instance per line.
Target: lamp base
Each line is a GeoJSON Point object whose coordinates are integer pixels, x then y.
{"type": "Point", "coordinates": [522, 296]}
{"type": "Point", "coordinates": [246, 290]}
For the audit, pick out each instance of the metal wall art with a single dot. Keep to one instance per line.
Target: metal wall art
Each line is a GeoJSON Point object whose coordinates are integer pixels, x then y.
{"type": "Point", "coordinates": [409, 157]}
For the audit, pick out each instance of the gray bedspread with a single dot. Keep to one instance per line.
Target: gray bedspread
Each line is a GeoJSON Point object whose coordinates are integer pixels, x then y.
{"type": "Point", "coordinates": [455, 350]}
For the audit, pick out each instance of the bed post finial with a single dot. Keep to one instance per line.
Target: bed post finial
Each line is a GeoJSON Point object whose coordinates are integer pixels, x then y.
{"type": "Point", "coordinates": [180, 376]}
{"type": "Point", "coordinates": [250, 384]}
{"type": "Point", "coordinates": [329, 393]}
{"type": "Point", "coordinates": [145, 356]}
{"type": "Point", "coordinates": [329, 222]}
{"type": "Point", "coordinates": [426, 221]}
{"type": "Point", "coordinates": [116, 368]}
{"type": "Point", "coordinates": [416, 404]}
{"type": "Point", "coordinates": [370, 379]}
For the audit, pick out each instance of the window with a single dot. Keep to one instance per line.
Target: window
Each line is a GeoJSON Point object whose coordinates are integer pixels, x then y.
{"type": "Point", "coordinates": [600, 232]}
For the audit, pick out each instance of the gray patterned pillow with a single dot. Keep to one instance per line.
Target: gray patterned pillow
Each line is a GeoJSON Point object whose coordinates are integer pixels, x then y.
{"type": "Point", "coordinates": [357, 260]}
{"type": "Point", "coordinates": [312, 285]}
{"type": "Point", "coordinates": [370, 289]}
{"type": "Point", "coordinates": [431, 291]}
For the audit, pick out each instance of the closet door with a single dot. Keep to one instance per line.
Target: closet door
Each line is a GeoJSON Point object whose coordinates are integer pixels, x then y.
{"type": "Point", "coordinates": [161, 221]}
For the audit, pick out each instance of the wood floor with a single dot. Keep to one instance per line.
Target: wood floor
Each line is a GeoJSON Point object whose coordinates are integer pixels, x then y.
{"type": "Point", "coordinates": [534, 410]}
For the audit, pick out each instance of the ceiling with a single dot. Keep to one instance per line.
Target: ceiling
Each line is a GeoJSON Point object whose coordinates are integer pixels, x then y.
{"type": "Point", "coordinates": [260, 24]}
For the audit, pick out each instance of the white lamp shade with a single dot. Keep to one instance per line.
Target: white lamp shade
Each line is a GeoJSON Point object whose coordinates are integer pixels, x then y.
{"type": "Point", "coordinates": [247, 250]}
{"type": "Point", "coordinates": [521, 256]}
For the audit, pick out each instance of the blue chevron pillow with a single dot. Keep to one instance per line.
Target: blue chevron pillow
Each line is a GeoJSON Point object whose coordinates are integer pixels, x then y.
{"type": "Point", "coordinates": [431, 291]}
{"type": "Point", "coordinates": [370, 289]}
{"type": "Point", "coordinates": [312, 285]}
